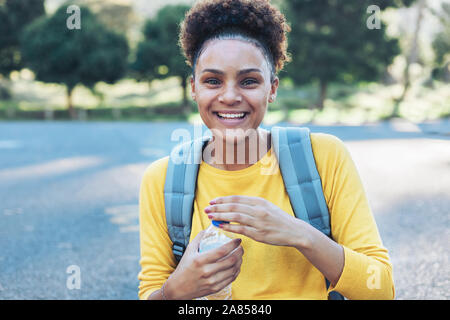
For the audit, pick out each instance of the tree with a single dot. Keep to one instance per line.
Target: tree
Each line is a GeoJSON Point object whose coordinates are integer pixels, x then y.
{"type": "Point", "coordinates": [441, 45]}
{"type": "Point", "coordinates": [331, 41]}
{"type": "Point", "coordinates": [412, 56]}
{"type": "Point", "coordinates": [158, 56]}
{"type": "Point", "coordinates": [116, 15]}
{"type": "Point", "coordinates": [74, 56]}
{"type": "Point", "coordinates": [14, 15]}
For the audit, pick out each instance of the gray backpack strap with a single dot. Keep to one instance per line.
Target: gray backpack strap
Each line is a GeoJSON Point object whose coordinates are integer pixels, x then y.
{"type": "Point", "coordinates": [179, 192]}
{"type": "Point", "coordinates": [302, 180]}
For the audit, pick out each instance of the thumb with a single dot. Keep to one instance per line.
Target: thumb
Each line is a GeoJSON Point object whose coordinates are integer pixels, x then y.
{"type": "Point", "coordinates": [194, 244]}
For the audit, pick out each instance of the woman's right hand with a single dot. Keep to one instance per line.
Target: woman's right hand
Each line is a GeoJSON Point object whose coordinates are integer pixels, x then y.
{"type": "Point", "coordinates": [201, 274]}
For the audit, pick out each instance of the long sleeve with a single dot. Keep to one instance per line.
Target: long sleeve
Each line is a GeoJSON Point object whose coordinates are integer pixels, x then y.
{"type": "Point", "coordinates": [367, 272]}
{"type": "Point", "coordinates": [157, 262]}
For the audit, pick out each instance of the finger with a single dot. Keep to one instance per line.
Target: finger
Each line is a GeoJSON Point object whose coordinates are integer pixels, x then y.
{"type": "Point", "coordinates": [224, 278]}
{"type": "Point", "coordinates": [247, 231]}
{"type": "Point", "coordinates": [231, 262]}
{"type": "Point", "coordinates": [193, 245]}
{"type": "Point", "coordinates": [214, 255]}
{"type": "Point", "coordinates": [230, 207]}
{"type": "Point", "coordinates": [238, 217]}
{"type": "Point", "coordinates": [248, 200]}
{"type": "Point", "coordinates": [198, 238]}
{"type": "Point", "coordinates": [233, 256]}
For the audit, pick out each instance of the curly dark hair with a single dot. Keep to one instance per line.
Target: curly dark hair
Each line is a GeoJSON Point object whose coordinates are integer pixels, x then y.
{"type": "Point", "coordinates": [255, 21]}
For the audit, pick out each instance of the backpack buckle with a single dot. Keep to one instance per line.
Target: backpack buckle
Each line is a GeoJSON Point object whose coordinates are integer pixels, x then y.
{"type": "Point", "coordinates": [178, 249]}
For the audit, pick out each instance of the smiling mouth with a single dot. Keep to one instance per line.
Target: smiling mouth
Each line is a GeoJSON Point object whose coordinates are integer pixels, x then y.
{"type": "Point", "coordinates": [231, 116]}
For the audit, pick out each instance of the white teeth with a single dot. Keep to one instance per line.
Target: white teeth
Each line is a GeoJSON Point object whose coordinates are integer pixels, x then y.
{"type": "Point", "coordinates": [231, 115]}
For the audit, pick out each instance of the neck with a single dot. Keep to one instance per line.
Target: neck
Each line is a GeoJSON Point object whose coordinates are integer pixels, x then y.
{"type": "Point", "coordinates": [236, 153]}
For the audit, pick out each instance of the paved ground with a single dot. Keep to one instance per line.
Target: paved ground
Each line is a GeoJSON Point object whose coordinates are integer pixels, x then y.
{"type": "Point", "coordinates": [69, 197]}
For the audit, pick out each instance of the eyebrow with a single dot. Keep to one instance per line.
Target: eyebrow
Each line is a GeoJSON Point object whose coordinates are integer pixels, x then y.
{"type": "Point", "coordinates": [239, 73]}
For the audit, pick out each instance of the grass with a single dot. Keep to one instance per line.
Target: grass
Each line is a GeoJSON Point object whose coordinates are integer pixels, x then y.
{"type": "Point", "coordinates": [160, 101]}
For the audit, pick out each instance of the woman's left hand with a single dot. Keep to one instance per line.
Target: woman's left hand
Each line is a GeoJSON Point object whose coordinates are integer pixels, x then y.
{"type": "Point", "coordinates": [257, 218]}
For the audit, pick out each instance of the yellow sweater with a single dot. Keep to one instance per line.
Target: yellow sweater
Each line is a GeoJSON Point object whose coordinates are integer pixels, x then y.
{"type": "Point", "coordinates": [275, 272]}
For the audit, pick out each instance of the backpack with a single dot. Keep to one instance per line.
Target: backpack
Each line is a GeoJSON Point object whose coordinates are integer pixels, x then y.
{"type": "Point", "coordinates": [292, 147]}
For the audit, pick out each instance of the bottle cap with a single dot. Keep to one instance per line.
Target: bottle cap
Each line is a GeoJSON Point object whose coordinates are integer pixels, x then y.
{"type": "Point", "coordinates": [217, 222]}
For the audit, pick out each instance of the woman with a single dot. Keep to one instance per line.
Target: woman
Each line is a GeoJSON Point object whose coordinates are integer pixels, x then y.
{"type": "Point", "coordinates": [236, 48]}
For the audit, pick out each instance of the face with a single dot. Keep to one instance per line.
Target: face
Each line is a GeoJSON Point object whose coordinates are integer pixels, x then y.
{"type": "Point", "coordinates": [232, 86]}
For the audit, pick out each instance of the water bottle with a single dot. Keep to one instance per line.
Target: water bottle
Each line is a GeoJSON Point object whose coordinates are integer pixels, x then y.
{"type": "Point", "coordinates": [215, 237]}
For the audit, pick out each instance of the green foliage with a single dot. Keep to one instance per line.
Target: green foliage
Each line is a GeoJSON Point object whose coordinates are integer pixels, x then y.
{"type": "Point", "coordinates": [85, 56]}
{"type": "Point", "coordinates": [330, 41]}
{"type": "Point", "coordinates": [14, 16]}
{"type": "Point", "coordinates": [441, 44]}
{"type": "Point", "coordinates": [160, 46]}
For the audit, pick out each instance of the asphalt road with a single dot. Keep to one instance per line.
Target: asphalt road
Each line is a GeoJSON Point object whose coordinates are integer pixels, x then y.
{"type": "Point", "coordinates": [69, 199]}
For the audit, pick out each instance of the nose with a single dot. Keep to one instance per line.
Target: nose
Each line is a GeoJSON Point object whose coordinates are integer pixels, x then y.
{"type": "Point", "coordinates": [230, 95]}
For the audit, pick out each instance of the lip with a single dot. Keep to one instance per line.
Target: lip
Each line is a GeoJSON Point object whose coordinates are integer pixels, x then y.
{"type": "Point", "coordinates": [231, 111]}
{"type": "Point", "coordinates": [231, 122]}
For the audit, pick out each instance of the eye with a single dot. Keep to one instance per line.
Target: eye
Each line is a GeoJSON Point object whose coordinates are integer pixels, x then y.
{"type": "Point", "coordinates": [249, 82]}
{"type": "Point", "coordinates": [212, 81]}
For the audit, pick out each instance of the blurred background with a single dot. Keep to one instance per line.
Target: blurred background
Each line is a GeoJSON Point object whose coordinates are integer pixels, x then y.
{"type": "Point", "coordinates": [342, 71]}
{"type": "Point", "coordinates": [85, 109]}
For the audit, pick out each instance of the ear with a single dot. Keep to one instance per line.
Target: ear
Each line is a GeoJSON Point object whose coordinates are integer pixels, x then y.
{"type": "Point", "coordinates": [273, 89]}
{"type": "Point", "coordinates": [191, 79]}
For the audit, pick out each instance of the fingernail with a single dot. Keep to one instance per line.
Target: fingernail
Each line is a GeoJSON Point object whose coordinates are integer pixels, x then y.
{"type": "Point", "coordinates": [210, 216]}
{"type": "Point", "coordinates": [207, 209]}
{"type": "Point", "coordinates": [212, 202]}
